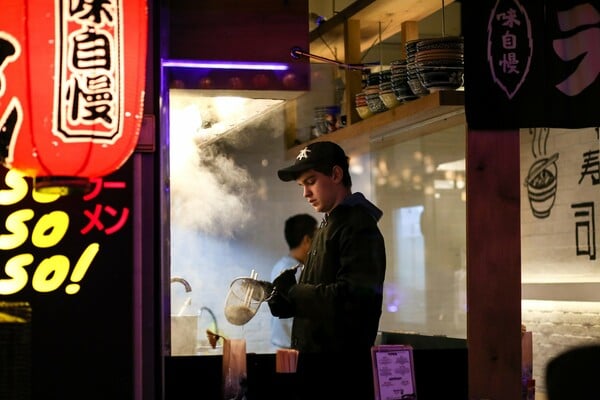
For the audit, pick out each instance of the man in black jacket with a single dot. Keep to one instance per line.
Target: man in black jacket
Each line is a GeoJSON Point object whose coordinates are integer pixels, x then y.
{"type": "Point", "coordinates": [337, 302]}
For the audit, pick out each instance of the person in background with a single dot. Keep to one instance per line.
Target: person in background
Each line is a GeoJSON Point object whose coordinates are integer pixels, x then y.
{"type": "Point", "coordinates": [298, 233]}
{"type": "Point", "coordinates": [336, 303]}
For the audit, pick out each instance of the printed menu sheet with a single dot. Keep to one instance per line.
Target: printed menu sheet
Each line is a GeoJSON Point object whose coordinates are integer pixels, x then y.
{"type": "Point", "coordinates": [393, 372]}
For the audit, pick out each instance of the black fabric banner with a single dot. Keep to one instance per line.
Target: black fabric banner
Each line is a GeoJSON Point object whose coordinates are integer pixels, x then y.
{"type": "Point", "coordinates": [532, 63]}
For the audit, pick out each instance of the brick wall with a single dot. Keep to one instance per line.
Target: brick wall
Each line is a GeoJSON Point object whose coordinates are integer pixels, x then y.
{"type": "Point", "coordinates": [556, 327]}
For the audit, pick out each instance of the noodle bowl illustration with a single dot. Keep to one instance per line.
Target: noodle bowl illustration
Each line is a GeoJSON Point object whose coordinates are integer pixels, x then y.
{"type": "Point", "coordinates": [541, 185]}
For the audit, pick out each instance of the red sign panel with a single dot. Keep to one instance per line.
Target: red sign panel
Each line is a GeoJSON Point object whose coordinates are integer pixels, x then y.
{"type": "Point", "coordinates": [72, 79]}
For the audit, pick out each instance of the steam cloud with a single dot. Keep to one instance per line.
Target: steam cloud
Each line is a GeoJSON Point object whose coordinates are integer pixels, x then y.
{"type": "Point", "coordinates": [209, 192]}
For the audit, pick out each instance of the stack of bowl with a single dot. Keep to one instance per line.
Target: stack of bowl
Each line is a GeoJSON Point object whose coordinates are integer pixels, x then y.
{"type": "Point", "coordinates": [399, 81]}
{"type": "Point", "coordinates": [439, 63]}
{"type": "Point", "coordinates": [386, 92]}
{"type": "Point", "coordinates": [374, 102]}
{"type": "Point", "coordinates": [412, 75]}
{"type": "Point", "coordinates": [360, 103]}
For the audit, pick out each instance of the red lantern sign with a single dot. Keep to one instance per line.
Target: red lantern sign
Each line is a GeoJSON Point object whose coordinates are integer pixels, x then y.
{"type": "Point", "coordinates": [72, 79]}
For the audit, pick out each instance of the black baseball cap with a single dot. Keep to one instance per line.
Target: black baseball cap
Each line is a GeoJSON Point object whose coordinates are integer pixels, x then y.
{"type": "Point", "coordinates": [315, 155]}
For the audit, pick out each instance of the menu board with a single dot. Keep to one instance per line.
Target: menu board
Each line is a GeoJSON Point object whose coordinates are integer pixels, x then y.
{"type": "Point", "coordinates": [393, 372]}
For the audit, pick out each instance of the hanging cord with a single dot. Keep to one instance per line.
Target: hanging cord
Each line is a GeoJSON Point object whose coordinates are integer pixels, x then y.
{"type": "Point", "coordinates": [378, 39]}
{"type": "Point", "coordinates": [380, 46]}
{"type": "Point", "coordinates": [319, 20]}
{"type": "Point", "coordinates": [333, 53]}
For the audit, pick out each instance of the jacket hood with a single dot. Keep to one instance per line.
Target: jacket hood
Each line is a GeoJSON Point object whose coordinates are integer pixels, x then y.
{"type": "Point", "coordinates": [358, 199]}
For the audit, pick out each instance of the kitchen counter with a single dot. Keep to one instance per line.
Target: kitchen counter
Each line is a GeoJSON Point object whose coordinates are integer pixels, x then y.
{"type": "Point", "coordinates": [440, 371]}
{"type": "Point", "coordinates": [200, 377]}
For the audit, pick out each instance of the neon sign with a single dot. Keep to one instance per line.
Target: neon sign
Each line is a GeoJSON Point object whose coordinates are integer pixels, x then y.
{"type": "Point", "coordinates": [47, 231]}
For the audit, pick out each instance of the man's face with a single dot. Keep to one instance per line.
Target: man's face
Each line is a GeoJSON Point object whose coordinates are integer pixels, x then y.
{"type": "Point", "coordinates": [319, 190]}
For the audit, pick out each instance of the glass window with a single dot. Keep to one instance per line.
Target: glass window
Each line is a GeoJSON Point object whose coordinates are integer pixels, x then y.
{"type": "Point", "coordinates": [420, 186]}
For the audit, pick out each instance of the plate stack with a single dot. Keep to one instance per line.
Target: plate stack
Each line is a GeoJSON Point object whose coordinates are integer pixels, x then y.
{"type": "Point", "coordinates": [412, 75]}
{"type": "Point", "coordinates": [386, 92]}
{"type": "Point", "coordinates": [374, 102]}
{"type": "Point", "coordinates": [439, 63]}
{"type": "Point", "coordinates": [399, 81]}
{"type": "Point", "coordinates": [360, 103]}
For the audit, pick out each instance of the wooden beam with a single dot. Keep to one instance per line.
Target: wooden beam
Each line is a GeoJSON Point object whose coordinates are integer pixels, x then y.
{"type": "Point", "coordinates": [444, 107]}
{"type": "Point", "coordinates": [389, 13]}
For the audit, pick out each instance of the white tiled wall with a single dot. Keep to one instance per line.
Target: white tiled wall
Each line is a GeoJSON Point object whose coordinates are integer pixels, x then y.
{"type": "Point", "coordinates": [549, 248]}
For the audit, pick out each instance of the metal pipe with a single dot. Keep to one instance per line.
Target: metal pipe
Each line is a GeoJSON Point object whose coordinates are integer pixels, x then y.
{"type": "Point", "coordinates": [297, 52]}
{"type": "Point", "coordinates": [212, 315]}
{"type": "Point", "coordinates": [188, 287]}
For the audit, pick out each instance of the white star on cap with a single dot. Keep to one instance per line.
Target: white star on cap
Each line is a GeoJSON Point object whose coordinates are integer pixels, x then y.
{"type": "Point", "coordinates": [303, 154]}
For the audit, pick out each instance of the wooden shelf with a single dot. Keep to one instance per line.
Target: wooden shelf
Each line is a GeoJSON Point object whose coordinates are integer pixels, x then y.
{"type": "Point", "coordinates": [327, 40]}
{"type": "Point", "coordinates": [413, 118]}
{"type": "Point", "coordinates": [351, 32]}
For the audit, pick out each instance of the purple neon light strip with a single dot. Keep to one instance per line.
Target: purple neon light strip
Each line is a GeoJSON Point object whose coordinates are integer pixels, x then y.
{"type": "Point", "coordinates": [200, 64]}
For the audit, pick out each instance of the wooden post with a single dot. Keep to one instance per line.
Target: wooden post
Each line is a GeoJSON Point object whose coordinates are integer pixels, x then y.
{"type": "Point", "coordinates": [353, 78]}
{"type": "Point", "coordinates": [410, 31]}
{"type": "Point", "coordinates": [493, 265]}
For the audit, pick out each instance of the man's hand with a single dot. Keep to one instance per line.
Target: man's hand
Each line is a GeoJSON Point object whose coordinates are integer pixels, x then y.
{"type": "Point", "coordinates": [285, 281]}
